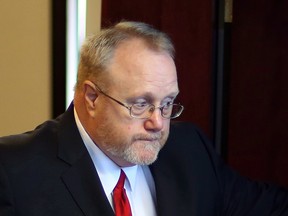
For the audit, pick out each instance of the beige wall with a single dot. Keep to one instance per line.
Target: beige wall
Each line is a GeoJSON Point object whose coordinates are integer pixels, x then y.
{"type": "Point", "coordinates": [24, 64]}
{"type": "Point", "coordinates": [25, 61]}
{"type": "Point", "coordinates": [93, 21]}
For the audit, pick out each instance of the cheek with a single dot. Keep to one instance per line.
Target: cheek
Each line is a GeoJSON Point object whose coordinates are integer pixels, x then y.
{"type": "Point", "coordinates": [129, 130]}
{"type": "Point", "coordinates": [166, 125]}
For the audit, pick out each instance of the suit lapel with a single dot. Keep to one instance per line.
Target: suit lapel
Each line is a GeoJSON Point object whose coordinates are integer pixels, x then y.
{"type": "Point", "coordinates": [81, 178]}
{"type": "Point", "coordinates": [84, 185]}
{"type": "Point", "coordinates": [168, 201]}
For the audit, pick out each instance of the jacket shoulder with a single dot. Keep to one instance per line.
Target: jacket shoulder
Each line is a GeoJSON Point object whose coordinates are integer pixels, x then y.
{"type": "Point", "coordinates": [18, 148]}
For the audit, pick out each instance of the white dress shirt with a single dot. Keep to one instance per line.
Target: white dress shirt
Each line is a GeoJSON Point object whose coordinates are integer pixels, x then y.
{"type": "Point", "coordinates": [139, 184]}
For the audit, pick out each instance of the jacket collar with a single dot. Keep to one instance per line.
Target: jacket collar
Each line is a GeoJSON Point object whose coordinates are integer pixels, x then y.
{"type": "Point", "coordinates": [81, 178]}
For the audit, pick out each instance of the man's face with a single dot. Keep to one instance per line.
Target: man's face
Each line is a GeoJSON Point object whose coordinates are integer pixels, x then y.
{"type": "Point", "coordinates": [138, 75]}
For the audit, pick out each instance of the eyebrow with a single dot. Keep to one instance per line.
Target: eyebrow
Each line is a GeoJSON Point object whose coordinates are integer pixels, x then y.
{"type": "Point", "coordinates": [150, 98]}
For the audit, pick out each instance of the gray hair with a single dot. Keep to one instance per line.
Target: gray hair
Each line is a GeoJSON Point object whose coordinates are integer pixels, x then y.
{"type": "Point", "coordinates": [98, 50]}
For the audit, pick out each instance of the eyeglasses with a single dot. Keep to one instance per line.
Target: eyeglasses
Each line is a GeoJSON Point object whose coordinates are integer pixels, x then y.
{"type": "Point", "coordinates": [145, 110]}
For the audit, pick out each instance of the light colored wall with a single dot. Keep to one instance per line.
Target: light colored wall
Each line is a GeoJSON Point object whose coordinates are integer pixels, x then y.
{"type": "Point", "coordinates": [25, 70]}
{"type": "Point", "coordinates": [25, 61]}
{"type": "Point", "coordinates": [93, 20]}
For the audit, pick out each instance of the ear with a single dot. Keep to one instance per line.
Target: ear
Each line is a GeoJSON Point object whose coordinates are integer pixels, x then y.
{"type": "Point", "coordinates": [90, 95]}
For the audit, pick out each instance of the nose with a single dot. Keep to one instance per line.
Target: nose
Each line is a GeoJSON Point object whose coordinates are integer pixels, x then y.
{"type": "Point", "coordinates": [155, 122]}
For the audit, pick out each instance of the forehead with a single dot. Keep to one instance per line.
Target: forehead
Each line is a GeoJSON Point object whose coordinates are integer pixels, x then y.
{"type": "Point", "coordinates": [136, 68]}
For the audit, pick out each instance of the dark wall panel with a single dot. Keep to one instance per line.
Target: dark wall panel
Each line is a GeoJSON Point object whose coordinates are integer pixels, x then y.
{"type": "Point", "coordinates": [189, 24]}
{"type": "Point", "coordinates": [58, 56]}
{"type": "Point", "coordinates": [258, 116]}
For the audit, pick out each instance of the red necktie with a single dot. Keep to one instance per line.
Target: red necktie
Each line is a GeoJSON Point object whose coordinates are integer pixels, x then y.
{"type": "Point", "coordinates": [120, 199]}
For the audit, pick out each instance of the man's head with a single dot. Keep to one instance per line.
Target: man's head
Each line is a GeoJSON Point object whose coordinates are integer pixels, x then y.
{"type": "Point", "coordinates": [124, 70]}
{"type": "Point", "coordinates": [98, 50]}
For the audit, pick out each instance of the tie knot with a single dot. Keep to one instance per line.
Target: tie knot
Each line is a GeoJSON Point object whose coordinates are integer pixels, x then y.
{"type": "Point", "coordinates": [120, 199]}
{"type": "Point", "coordinates": [121, 181]}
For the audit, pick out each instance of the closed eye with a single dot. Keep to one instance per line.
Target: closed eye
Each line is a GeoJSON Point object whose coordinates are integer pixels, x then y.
{"type": "Point", "coordinates": [167, 103]}
{"type": "Point", "coordinates": [141, 105]}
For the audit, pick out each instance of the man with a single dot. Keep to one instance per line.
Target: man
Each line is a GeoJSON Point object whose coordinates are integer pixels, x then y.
{"type": "Point", "coordinates": [116, 126]}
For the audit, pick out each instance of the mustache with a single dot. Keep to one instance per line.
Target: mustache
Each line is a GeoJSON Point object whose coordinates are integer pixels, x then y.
{"type": "Point", "coordinates": [149, 137]}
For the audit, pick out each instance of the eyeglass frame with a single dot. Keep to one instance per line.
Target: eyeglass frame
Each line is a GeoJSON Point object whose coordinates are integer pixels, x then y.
{"type": "Point", "coordinates": [150, 106]}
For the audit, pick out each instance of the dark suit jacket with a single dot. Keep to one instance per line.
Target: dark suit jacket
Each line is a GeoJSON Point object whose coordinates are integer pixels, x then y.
{"type": "Point", "coordinates": [49, 172]}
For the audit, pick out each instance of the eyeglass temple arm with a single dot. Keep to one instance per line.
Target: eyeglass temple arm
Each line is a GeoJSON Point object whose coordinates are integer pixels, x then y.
{"type": "Point", "coordinates": [119, 102]}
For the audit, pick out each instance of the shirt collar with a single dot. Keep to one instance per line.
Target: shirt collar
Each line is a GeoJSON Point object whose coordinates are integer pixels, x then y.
{"type": "Point", "coordinates": [107, 170]}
